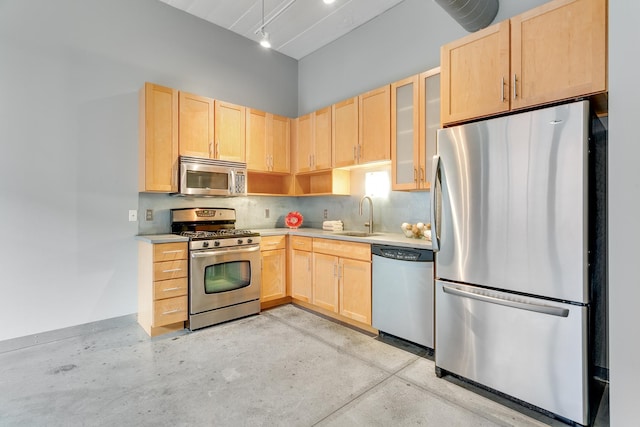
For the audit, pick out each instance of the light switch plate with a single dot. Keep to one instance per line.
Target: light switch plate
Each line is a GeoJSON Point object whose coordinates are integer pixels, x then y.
{"type": "Point", "coordinates": [133, 215]}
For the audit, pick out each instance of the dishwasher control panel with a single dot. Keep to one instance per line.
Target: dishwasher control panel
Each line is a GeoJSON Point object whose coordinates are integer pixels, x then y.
{"type": "Point", "coordinates": [402, 254]}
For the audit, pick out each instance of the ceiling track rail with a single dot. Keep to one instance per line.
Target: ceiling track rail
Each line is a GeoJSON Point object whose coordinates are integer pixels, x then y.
{"type": "Point", "coordinates": [275, 15]}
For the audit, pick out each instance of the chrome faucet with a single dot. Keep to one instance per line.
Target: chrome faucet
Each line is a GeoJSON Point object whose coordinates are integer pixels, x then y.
{"type": "Point", "coordinates": [370, 223]}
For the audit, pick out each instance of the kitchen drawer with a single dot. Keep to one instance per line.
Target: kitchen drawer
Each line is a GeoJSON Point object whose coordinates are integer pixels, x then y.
{"type": "Point", "coordinates": [169, 251]}
{"type": "Point", "coordinates": [341, 248]}
{"type": "Point", "coordinates": [169, 269]}
{"type": "Point", "coordinates": [169, 288]}
{"type": "Point", "coordinates": [300, 243]}
{"type": "Point", "coordinates": [170, 310]}
{"type": "Point", "coordinates": [269, 243]}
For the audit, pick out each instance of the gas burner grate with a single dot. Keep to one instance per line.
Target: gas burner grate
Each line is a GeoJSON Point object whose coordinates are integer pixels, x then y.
{"type": "Point", "coordinates": [197, 235]}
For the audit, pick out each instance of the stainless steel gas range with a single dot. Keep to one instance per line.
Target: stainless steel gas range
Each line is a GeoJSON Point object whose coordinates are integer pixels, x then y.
{"type": "Point", "coordinates": [224, 265]}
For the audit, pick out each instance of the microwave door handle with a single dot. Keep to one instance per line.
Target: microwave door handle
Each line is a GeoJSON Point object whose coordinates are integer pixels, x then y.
{"type": "Point", "coordinates": [232, 181]}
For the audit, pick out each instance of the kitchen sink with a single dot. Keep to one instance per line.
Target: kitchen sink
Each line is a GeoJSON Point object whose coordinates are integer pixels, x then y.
{"type": "Point", "coordinates": [356, 233]}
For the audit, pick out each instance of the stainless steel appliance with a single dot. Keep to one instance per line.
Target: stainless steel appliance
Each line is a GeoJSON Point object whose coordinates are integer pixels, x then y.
{"type": "Point", "coordinates": [510, 221]}
{"type": "Point", "coordinates": [402, 300]}
{"type": "Point", "coordinates": [209, 177]}
{"type": "Point", "coordinates": [224, 265]}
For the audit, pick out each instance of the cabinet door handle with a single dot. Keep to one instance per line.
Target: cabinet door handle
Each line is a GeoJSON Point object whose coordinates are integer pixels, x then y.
{"type": "Point", "coordinates": [422, 177]}
{"type": "Point", "coordinates": [515, 88]}
{"type": "Point", "coordinates": [171, 311]}
{"type": "Point", "coordinates": [177, 251]}
{"type": "Point", "coordinates": [415, 175]}
{"type": "Point", "coordinates": [211, 150]}
{"type": "Point", "coordinates": [171, 289]}
{"type": "Point", "coordinates": [359, 153]}
{"type": "Point", "coordinates": [172, 270]}
{"type": "Point", "coordinates": [502, 90]}
{"type": "Point", "coordinates": [355, 153]}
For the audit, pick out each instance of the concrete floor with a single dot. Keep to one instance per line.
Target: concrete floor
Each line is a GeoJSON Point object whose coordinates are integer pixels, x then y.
{"type": "Point", "coordinates": [285, 367]}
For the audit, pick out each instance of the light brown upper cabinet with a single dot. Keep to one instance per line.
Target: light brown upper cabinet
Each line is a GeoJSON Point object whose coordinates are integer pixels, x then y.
{"type": "Point", "coordinates": [196, 125]}
{"type": "Point", "coordinates": [258, 158]}
{"type": "Point", "coordinates": [158, 135]}
{"type": "Point", "coordinates": [554, 52]}
{"type": "Point", "coordinates": [374, 131]}
{"type": "Point", "coordinates": [313, 150]}
{"type": "Point", "coordinates": [229, 132]}
{"type": "Point", "coordinates": [304, 142]}
{"type": "Point", "coordinates": [268, 142]}
{"type": "Point", "coordinates": [475, 74]}
{"type": "Point", "coordinates": [415, 119]}
{"type": "Point", "coordinates": [345, 144]}
{"type": "Point", "coordinates": [279, 142]}
{"type": "Point", "coordinates": [405, 135]}
{"type": "Point", "coordinates": [322, 139]}
{"type": "Point", "coordinates": [559, 51]}
{"type": "Point", "coordinates": [429, 124]}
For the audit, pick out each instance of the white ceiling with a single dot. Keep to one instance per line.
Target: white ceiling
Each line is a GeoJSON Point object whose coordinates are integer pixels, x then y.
{"type": "Point", "coordinates": [303, 27]}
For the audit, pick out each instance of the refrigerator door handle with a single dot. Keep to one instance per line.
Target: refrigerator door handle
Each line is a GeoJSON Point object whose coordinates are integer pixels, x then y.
{"type": "Point", "coordinates": [435, 165]}
{"type": "Point", "coordinates": [538, 308]}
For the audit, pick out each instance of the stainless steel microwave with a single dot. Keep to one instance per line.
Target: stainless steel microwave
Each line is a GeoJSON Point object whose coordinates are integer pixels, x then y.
{"type": "Point", "coordinates": [208, 177]}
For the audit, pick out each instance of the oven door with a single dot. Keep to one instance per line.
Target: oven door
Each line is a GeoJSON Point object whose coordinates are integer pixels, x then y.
{"type": "Point", "coordinates": [223, 277]}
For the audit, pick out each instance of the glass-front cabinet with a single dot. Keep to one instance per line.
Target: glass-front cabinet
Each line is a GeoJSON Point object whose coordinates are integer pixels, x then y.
{"type": "Point", "coordinates": [415, 120]}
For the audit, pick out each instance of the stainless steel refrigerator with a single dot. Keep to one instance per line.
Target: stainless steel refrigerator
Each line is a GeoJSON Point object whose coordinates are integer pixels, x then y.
{"type": "Point", "coordinates": [510, 221]}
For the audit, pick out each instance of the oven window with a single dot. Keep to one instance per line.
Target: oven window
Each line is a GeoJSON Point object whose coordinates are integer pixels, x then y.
{"type": "Point", "coordinates": [207, 180]}
{"type": "Point", "coordinates": [227, 276]}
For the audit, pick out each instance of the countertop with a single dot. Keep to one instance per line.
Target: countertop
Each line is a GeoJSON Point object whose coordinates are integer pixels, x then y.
{"type": "Point", "coordinates": [161, 238]}
{"type": "Point", "coordinates": [393, 239]}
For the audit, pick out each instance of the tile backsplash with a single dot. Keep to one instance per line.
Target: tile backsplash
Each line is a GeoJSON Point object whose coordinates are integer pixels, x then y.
{"type": "Point", "coordinates": [388, 212]}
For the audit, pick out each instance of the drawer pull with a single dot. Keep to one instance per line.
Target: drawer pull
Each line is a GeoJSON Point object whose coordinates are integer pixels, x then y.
{"type": "Point", "coordinates": [172, 270]}
{"type": "Point", "coordinates": [172, 311]}
{"type": "Point", "coordinates": [171, 289]}
{"type": "Point", "coordinates": [173, 252]}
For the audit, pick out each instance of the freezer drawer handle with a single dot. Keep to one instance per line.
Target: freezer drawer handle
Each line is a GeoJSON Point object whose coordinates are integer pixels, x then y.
{"type": "Point", "coordinates": [545, 309]}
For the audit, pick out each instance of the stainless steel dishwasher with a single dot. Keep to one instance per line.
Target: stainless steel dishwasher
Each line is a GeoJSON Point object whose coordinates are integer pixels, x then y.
{"type": "Point", "coordinates": [402, 281]}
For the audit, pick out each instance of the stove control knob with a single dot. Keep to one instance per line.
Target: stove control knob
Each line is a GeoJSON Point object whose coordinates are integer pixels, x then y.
{"type": "Point", "coordinates": [249, 240]}
{"type": "Point", "coordinates": [216, 243]}
{"type": "Point", "coordinates": [240, 241]}
{"type": "Point", "coordinates": [205, 244]}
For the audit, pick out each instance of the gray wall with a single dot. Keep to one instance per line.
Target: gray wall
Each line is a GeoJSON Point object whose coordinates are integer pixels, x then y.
{"type": "Point", "coordinates": [69, 118]}
{"type": "Point", "coordinates": [624, 205]}
{"type": "Point", "coordinates": [403, 41]}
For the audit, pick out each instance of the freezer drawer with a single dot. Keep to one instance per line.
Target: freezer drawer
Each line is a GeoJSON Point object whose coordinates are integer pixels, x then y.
{"type": "Point", "coordinates": [532, 349]}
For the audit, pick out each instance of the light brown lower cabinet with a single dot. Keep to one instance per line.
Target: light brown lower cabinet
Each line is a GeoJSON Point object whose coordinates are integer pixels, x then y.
{"type": "Point", "coordinates": [274, 268]}
{"type": "Point", "coordinates": [342, 278]}
{"type": "Point", "coordinates": [301, 267]}
{"type": "Point", "coordinates": [162, 286]}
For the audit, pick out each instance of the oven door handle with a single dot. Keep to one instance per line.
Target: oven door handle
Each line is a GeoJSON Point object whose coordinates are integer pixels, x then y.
{"type": "Point", "coordinates": [243, 250]}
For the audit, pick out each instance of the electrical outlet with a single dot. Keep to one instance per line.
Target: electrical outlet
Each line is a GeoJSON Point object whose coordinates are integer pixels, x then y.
{"type": "Point", "coordinates": [149, 215]}
{"type": "Point", "coordinates": [133, 215]}
{"type": "Point", "coordinates": [266, 213]}
{"type": "Point", "coordinates": [325, 214]}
